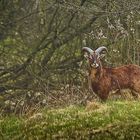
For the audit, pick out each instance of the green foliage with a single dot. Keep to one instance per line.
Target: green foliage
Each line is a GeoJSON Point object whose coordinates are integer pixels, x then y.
{"type": "Point", "coordinates": [112, 120]}
{"type": "Point", "coordinates": [42, 40]}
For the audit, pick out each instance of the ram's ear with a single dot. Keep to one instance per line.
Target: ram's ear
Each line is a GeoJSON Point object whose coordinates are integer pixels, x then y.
{"type": "Point", "coordinates": [86, 55]}
{"type": "Point", "coordinates": [102, 55]}
{"type": "Point", "coordinates": [101, 51]}
{"type": "Point", "coordinates": [87, 52]}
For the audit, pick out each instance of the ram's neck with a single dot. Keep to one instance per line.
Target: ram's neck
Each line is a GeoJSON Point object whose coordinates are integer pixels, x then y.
{"type": "Point", "coordinates": [94, 74]}
{"type": "Point", "coordinates": [100, 69]}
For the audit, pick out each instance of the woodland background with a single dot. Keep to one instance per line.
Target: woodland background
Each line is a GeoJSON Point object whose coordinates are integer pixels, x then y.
{"type": "Point", "coordinates": [41, 63]}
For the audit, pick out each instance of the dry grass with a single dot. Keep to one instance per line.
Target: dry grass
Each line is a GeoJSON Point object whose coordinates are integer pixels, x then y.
{"type": "Point", "coordinates": [119, 119]}
{"type": "Point", "coordinates": [96, 106]}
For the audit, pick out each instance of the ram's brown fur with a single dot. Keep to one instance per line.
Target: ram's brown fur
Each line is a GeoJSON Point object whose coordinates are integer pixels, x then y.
{"type": "Point", "coordinates": [103, 80]}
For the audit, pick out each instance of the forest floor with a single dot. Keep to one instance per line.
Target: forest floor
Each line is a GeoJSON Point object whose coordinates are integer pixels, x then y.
{"type": "Point", "coordinates": [110, 120]}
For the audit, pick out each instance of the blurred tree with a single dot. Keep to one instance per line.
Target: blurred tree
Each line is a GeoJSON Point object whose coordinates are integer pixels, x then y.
{"type": "Point", "coordinates": [41, 41]}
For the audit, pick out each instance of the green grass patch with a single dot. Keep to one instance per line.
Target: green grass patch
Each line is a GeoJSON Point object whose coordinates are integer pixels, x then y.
{"type": "Point", "coordinates": [111, 120]}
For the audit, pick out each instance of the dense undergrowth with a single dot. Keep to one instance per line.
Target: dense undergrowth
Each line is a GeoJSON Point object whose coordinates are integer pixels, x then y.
{"type": "Point", "coordinates": [110, 120]}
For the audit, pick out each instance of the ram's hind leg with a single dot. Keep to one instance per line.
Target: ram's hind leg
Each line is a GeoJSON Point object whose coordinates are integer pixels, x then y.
{"type": "Point", "coordinates": [134, 94]}
{"type": "Point", "coordinates": [135, 87]}
{"type": "Point", "coordinates": [135, 91]}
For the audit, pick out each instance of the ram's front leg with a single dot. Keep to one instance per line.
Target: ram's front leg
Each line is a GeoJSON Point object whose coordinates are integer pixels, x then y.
{"type": "Point", "coordinates": [103, 95]}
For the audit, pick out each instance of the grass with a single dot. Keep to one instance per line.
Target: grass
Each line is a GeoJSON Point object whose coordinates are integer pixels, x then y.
{"type": "Point", "coordinates": [111, 120]}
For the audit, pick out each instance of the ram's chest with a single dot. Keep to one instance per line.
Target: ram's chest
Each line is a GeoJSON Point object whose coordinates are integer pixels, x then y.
{"type": "Point", "coordinates": [98, 82]}
{"type": "Point", "coordinates": [94, 80]}
{"type": "Point", "coordinates": [94, 75]}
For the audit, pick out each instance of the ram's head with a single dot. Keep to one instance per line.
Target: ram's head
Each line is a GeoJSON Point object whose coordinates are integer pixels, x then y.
{"type": "Point", "coordinates": [94, 56]}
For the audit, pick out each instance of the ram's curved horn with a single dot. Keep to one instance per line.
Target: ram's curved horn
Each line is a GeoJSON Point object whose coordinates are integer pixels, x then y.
{"type": "Point", "coordinates": [88, 50]}
{"type": "Point", "coordinates": [100, 49]}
